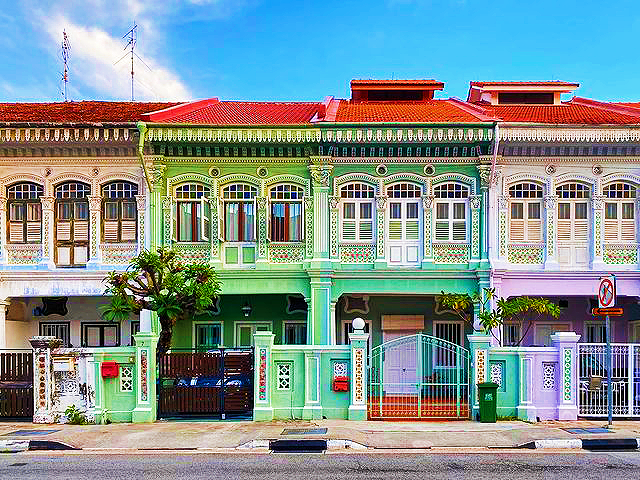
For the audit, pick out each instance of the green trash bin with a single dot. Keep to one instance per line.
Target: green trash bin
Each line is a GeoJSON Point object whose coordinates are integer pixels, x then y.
{"type": "Point", "coordinates": [488, 400]}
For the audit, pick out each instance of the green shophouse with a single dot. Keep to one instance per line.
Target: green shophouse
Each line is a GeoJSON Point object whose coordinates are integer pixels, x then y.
{"type": "Point", "coordinates": [316, 213]}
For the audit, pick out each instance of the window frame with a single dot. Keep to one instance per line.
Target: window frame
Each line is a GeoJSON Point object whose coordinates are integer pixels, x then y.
{"type": "Point", "coordinates": [24, 204]}
{"type": "Point", "coordinates": [120, 202]}
{"type": "Point", "coordinates": [241, 222]}
{"type": "Point", "coordinates": [303, 323]}
{"type": "Point", "coordinates": [200, 224]}
{"type": "Point", "coordinates": [102, 326]}
{"type": "Point", "coordinates": [74, 197]}
{"type": "Point", "coordinates": [618, 223]}
{"type": "Point", "coordinates": [527, 197]}
{"type": "Point", "coordinates": [349, 195]}
{"type": "Point", "coordinates": [194, 333]}
{"type": "Point", "coordinates": [451, 200]}
{"type": "Point", "coordinates": [67, 325]}
{"type": "Point", "coordinates": [298, 190]}
{"type": "Point", "coordinates": [573, 197]}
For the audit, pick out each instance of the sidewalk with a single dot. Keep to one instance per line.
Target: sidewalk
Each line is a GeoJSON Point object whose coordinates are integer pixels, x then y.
{"type": "Point", "coordinates": [379, 435]}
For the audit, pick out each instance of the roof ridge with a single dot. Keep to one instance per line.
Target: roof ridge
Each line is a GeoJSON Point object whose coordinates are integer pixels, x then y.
{"type": "Point", "coordinates": [475, 110]}
{"type": "Point", "coordinates": [182, 108]}
{"type": "Point", "coordinates": [607, 106]}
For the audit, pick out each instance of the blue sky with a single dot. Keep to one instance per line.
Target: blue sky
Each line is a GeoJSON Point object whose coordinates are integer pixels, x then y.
{"type": "Point", "coordinates": [305, 50]}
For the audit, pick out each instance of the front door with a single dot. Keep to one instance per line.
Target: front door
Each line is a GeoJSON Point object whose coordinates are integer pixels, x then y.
{"type": "Point", "coordinates": [72, 232]}
{"type": "Point", "coordinates": [245, 331]}
{"type": "Point", "coordinates": [404, 232]}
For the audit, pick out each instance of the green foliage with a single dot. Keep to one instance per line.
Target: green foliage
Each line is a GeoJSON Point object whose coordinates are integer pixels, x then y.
{"type": "Point", "coordinates": [75, 416]}
{"type": "Point", "coordinates": [523, 310]}
{"type": "Point", "coordinates": [159, 282]}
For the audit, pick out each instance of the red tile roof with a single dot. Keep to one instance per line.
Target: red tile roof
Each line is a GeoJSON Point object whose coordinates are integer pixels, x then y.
{"type": "Point", "coordinates": [428, 82]}
{"type": "Point", "coordinates": [563, 114]}
{"type": "Point", "coordinates": [86, 112]}
{"type": "Point", "coordinates": [434, 111]}
{"type": "Point", "coordinates": [215, 112]}
{"type": "Point", "coordinates": [628, 104]}
{"type": "Point", "coordinates": [553, 83]}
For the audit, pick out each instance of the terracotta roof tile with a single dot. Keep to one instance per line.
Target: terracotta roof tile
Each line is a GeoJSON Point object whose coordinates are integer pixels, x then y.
{"type": "Point", "coordinates": [86, 112]}
{"type": "Point", "coordinates": [214, 112]}
{"type": "Point", "coordinates": [553, 83]}
{"type": "Point", "coordinates": [628, 104]}
{"type": "Point", "coordinates": [564, 114]}
{"type": "Point", "coordinates": [426, 82]}
{"type": "Point", "coordinates": [430, 111]}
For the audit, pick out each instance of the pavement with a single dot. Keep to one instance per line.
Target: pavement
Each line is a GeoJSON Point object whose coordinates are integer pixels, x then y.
{"type": "Point", "coordinates": [379, 435]}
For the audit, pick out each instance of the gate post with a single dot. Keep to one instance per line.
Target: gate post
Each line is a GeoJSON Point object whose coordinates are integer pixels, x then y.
{"type": "Point", "coordinates": [146, 399]}
{"type": "Point", "coordinates": [43, 383]}
{"type": "Point", "coordinates": [262, 409]}
{"type": "Point", "coordinates": [479, 346]}
{"type": "Point", "coordinates": [566, 343]}
{"type": "Point", "coordinates": [358, 394]}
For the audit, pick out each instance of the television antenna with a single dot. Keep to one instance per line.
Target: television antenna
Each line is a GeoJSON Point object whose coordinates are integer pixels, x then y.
{"type": "Point", "coordinates": [66, 48]}
{"type": "Point", "coordinates": [132, 36]}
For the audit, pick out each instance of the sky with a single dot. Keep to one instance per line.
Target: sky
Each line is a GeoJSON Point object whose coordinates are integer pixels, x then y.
{"type": "Point", "coordinates": [305, 50]}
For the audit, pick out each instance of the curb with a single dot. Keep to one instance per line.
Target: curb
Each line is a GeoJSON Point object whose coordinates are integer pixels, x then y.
{"type": "Point", "coordinates": [331, 444]}
{"type": "Point", "coordinates": [585, 444]}
{"type": "Point", "coordinates": [16, 446]}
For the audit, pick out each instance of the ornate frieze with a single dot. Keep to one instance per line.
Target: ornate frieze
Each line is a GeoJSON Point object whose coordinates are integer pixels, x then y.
{"type": "Point", "coordinates": [357, 253]}
{"type": "Point", "coordinates": [565, 135]}
{"type": "Point", "coordinates": [451, 253]}
{"type": "Point", "coordinates": [23, 254]}
{"type": "Point", "coordinates": [525, 254]}
{"type": "Point", "coordinates": [286, 252]}
{"type": "Point", "coordinates": [64, 135]}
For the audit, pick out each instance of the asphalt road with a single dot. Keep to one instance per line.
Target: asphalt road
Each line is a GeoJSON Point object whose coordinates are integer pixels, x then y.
{"type": "Point", "coordinates": [616, 466]}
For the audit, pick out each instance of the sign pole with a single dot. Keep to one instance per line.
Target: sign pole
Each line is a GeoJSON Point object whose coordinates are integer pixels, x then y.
{"type": "Point", "coordinates": [609, 362]}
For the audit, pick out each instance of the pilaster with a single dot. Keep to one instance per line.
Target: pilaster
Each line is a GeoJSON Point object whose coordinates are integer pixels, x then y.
{"type": "Point", "coordinates": [427, 208]}
{"type": "Point", "coordinates": [526, 410]}
{"type": "Point", "coordinates": [551, 261]}
{"type": "Point", "coordinates": [159, 233]}
{"type": "Point", "coordinates": [320, 310]}
{"type": "Point", "coordinates": [146, 403]}
{"type": "Point", "coordinates": [358, 398]}
{"type": "Point", "coordinates": [3, 228]}
{"type": "Point", "coordinates": [312, 409]}
{"type": "Point", "coordinates": [321, 175]}
{"type": "Point", "coordinates": [597, 204]}
{"type": "Point", "coordinates": [262, 233]}
{"type": "Point", "coordinates": [262, 409]}
{"type": "Point", "coordinates": [381, 254]}
{"type": "Point", "coordinates": [503, 233]}
{"type": "Point", "coordinates": [334, 204]}
{"type": "Point", "coordinates": [95, 204]}
{"type": "Point", "coordinates": [48, 204]}
{"type": "Point", "coordinates": [566, 343]}
{"type": "Point", "coordinates": [141, 206]}
{"type": "Point", "coordinates": [475, 202]}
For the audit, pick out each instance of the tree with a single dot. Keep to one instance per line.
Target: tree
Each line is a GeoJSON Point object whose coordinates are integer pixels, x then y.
{"type": "Point", "coordinates": [521, 310]}
{"type": "Point", "coordinates": [158, 281]}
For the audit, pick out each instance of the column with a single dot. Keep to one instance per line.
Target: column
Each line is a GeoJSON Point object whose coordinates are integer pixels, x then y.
{"type": "Point", "coordinates": [475, 202]}
{"type": "Point", "coordinates": [48, 220]}
{"type": "Point", "coordinates": [312, 409]}
{"type": "Point", "coordinates": [4, 309]}
{"type": "Point", "coordinates": [333, 337]}
{"type": "Point", "coordinates": [525, 409]}
{"type": "Point", "coordinates": [334, 253]}
{"type": "Point", "coordinates": [479, 350]}
{"type": "Point", "coordinates": [381, 254]}
{"type": "Point", "coordinates": [566, 343]}
{"type": "Point", "coordinates": [43, 382]}
{"type": "Point", "coordinates": [597, 203]}
{"type": "Point", "coordinates": [358, 395]}
{"type": "Point", "coordinates": [160, 211]}
{"type": "Point", "coordinates": [551, 260]}
{"type": "Point", "coordinates": [503, 232]}
{"type": "Point", "coordinates": [320, 174]}
{"type": "Point", "coordinates": [262, 409]}
{"type": "Point", "coordinates": [95, 203]}
{"type": "Point", "coordinates": [320, 310]}
{"type": "Point", "coordinates": [146, 400]}
{"type": "Point", "coordinates": [262, 259]}
{"type": "Point", "coordinates": [141, 205]}
{"type": "Point", "coordinates": [3, 232]}
{"type": "Point", "coordinates": [427, 208]}
{"type": "Point", "coordinates": [214, 208]}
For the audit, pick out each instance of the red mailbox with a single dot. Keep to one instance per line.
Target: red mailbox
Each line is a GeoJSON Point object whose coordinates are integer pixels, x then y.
{"type": "Point", "coordinates": [109, 369]}
{"type": "Point", "coordinates": [340, 384]}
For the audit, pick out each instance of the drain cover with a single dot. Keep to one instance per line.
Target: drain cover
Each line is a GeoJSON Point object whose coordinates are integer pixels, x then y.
{"type": "Point", "coordinates": [304, 431]}
{"type": "Point", "coordinates": [26, 433]}
{"type": "Point", "coordinates": [582, 431]}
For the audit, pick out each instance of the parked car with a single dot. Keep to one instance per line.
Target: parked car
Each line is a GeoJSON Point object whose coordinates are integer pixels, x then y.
{"type": "Point", "coordinates": [238, 381]}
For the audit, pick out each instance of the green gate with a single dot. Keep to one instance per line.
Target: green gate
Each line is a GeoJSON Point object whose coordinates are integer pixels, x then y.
{"type": "Point", "coordinates": [419, 376]}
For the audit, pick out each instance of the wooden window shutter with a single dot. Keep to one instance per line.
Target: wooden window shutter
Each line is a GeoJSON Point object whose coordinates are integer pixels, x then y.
{"type": "Point", "coordinates": [516, 230]}
{"type": "Point", "coordinates": [34, 230]}
{"type": "Point", "coordinates": [63, 230]}
{"type": "Point", "coordinates": [442, 231]}
{"type": "Point", "coordinates": [564, 230]}
{"type": "Point", "coordinates": [580, 230]}
{"type": "Point", "coordinates": [110, 231]}
{"type": "Point", "coordinates": [611, 230]}
{"type": "Point", "coordinates": [366, 230]}
{"type": "Point", "coordinates": [412, 230]}
{"type": "Point", "coordinates": [459, 230]}
{"type": "Point", "coordinates": [628, 230]}
{"type": "Point", "coordinates": [16, 232]}
{"type": "Point", "coordinates": [127, 231]}
{"type": "Point", "coordinates": [81, 231]}
{"type": "Point", "coordinates": [534, 230]}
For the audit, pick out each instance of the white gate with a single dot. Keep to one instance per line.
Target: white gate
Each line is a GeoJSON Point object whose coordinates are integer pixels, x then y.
{"type": "Point", "coordinates": [592, 379]}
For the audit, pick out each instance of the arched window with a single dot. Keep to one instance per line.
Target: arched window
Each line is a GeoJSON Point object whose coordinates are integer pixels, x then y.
{"type": "Point", "coordinates": [286, 213]}
{"type": "Point", "coordinates": [239, 212]}
{"type": "Point", "coordinates": [451, 212]}
{"type": "Point", "coordinates": [619, 213]}
{"type": "Point", "coordinates": [404, 223]}
{"type": "Point", "coordinates": [525, 223]}
{"type": "Point", "coordinates": [119, 212]}
{"type": "Point", "coordinates": [192, 214]}
{"type": "Point", "coordinates": [72, 223]}
{"type": "Point", "coordinates": [357, 212]}
{"type": "Point", "coordinates": [25, 213]}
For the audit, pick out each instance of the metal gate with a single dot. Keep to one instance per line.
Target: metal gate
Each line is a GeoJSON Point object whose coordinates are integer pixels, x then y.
{"type": "Point", "coordinates": [216, 382]}
{"type": "Point", "coordinates": [418, 376]}
{"type": "Point", "coordinates": [16, 384]}
{"type": "Point", "coordinates": [592, 380]}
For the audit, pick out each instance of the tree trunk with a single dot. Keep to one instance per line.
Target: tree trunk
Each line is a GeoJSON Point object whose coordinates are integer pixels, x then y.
{"type": "Point", "coordinates": [164, 340]}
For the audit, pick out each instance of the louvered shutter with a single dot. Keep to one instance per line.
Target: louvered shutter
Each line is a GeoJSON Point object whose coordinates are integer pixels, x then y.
{"type": "Point", "coordinates": [534, 230]}
{"type": "Point", "coordinates": [366, 231]}
{"type": "Point", "coordinates": [63, 231]}
{"type": "Point", "coordinates": [459, 231]}
{"type": "Point", "coordinates": [442, 231]}
{"type": "Point", "coordinates": [81, 231]}
{"type": "Point", "coordinates": [516, 230]}
{"type": "Point", "coordinates": [611, 231]}
{"type": "Point", "coordinates": [205, 216]}
{"type": "Point", "coordinates": [628, 230]}
{"type": "Point", "coordinates": [348, 229]}
{"type": "Point", "coordinates": [127, 231]}
{"type": "Point", "coordinates": [34, 230]}
{"type": "Point", "coordinates": [412, 230]}
{"type": "Point", "coordinates": [16, 232]}
{"type": "Point", "coordinates": [395, 229]}
{"type": "Point", "coordinates": [580, 230]}
{"type": "Point", "coordinates": [110, 231]}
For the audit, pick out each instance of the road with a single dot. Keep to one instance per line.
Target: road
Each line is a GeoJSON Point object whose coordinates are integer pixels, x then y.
{"type": "Point", "coordinates": [497, 466]}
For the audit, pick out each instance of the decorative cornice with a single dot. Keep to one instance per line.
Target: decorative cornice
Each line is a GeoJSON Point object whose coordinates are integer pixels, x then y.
{"type": "Point", "coordinates": [568, 134]}
{"type": "Point", "coordinates": [66, 135]}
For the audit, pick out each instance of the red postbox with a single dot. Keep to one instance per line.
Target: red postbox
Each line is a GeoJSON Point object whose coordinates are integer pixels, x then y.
{"type": "Point", "coordinates": [340, 384]}
{"type": "Point", "coordinates": [109, 369]}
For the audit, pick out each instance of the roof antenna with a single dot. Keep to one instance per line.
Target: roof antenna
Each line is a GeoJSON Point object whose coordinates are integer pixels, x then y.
{"type": "Point", "coordinates": [131, 44]}
{"type": "Point", "coordinates": [66, 47]}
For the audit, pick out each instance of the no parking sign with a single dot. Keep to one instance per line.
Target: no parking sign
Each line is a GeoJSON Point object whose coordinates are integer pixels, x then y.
{"type": "Point", "coordinates": [607, 292]}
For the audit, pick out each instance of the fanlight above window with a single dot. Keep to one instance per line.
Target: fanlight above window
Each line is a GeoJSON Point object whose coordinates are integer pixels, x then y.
{"type": "Point", "coordinates": [572, 190]}
{"type": "Point", "coordinates": [191, 191]}
{"type": "Point", "coordinates": [73, 190]}
{"type": "Point", "coordinates": [357, 190]}
{"type": "Point", "coordinates": [404, 190]}
{"type": "Point", "coordinates": [525, 190]}
{"type": "Point", "coordinates": [451, 190]}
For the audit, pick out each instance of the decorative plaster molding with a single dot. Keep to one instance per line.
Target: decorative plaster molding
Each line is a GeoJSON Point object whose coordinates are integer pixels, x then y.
{"type": "Point", "coordinates": [320, 174]}
{"type": "Point", "coordinates": [563, 134]}
{"type": "Point", "coordinates": [475, 201]}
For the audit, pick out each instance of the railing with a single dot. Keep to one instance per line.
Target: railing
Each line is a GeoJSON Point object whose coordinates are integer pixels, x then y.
{"type": "Point", "coordinates": [592, 380]}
